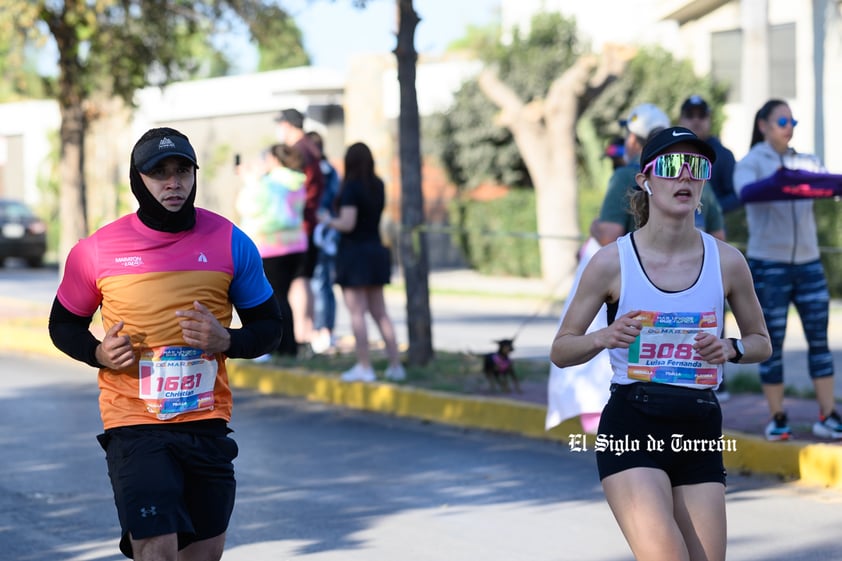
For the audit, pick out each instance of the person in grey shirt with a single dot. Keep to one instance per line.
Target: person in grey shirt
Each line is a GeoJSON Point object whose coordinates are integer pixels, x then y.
{"type": "Point", "coordinates": [783, 254]}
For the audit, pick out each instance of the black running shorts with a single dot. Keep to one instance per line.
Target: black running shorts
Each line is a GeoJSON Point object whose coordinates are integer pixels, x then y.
{"type": "Point", "coordinates": [168, 481]}
{"type": "Point", "coordinates": [685, 443]}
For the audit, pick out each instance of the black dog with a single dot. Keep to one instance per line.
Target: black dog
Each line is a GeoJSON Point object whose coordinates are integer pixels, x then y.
{"type": "Point", "coordinates": [498, 367]}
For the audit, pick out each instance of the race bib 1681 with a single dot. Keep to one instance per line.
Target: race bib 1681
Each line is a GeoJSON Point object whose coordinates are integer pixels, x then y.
{"type": "Point", "coordinates": [175, 380]}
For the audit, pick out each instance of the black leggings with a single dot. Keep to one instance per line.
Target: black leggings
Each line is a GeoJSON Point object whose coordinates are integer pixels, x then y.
{"type": "Point", "coordinates": [280, 272]}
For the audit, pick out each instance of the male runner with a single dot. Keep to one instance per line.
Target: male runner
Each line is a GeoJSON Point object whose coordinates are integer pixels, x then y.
{"type": "Point", "coordinates": [165, 280]}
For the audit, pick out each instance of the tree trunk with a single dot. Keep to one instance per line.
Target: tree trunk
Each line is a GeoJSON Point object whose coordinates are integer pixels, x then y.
{"type": "Point", "coordinates": [72, 208]}
{"type": "Point", "coordinates": [413, 242]}
{"type": "Point", "coordinates": [545, 134]}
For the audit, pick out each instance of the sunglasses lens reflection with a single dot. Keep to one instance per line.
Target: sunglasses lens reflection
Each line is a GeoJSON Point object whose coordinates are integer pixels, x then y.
{"type": "Point", "coordinates": [669, 166]}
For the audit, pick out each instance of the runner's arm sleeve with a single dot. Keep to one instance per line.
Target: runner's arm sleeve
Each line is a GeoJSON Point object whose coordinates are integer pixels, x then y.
{"type": "Point", "coordinates": [71, 334]}
{"type": "Point", "coordinates": [260, 333]}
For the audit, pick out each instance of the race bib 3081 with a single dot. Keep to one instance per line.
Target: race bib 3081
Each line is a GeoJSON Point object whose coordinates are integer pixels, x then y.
{"type": "Point", "coordinates": [663, 352]}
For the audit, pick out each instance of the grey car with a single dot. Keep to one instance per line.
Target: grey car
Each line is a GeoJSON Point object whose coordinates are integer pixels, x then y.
{"type": "Point", "coordinates": [22, 233]}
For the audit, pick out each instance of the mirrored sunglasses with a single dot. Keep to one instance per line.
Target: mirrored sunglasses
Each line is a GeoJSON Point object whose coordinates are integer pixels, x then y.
{"type": "Point", "coordinates": [669, 166]}
{"type": "Point", "coordinates": [784, 121]}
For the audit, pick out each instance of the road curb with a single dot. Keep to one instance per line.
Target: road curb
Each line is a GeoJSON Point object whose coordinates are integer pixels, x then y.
{"type": "Point", "coordinates": [27, 337]}
{"type": "Point", "coordinates": [498, 414]}
{"type": "Point", "coordinates": [814, 464]}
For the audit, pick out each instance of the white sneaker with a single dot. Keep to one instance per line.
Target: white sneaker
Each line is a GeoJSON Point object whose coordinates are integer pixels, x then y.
{"type": "Point", "coordinates": [395, 373]}
{"type": "Point", "coordinates": [358, 374]}
{"type": "Point", "coordinates": [322, 343]}
{"type": "Point", "coordinates": [829, 427]}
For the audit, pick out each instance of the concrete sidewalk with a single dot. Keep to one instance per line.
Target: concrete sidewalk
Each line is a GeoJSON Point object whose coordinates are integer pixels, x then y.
{"type": "Point", "coordinates": [471, 309]}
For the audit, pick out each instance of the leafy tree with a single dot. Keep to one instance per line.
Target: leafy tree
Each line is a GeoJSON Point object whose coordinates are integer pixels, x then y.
{"type": "Point", "coordinates": [652, 76]}
{"type": "Point", "coordinates": [19, 78]}
{"type": "Point", "coordinates": [553, 107]}
{"type": "Point", "coordinates": [472, 148]}
{"type": "Point", "coordinates": [542, 115]}
{"type": "Point", "coordinates": [113, 48]}
{"type": "Point", "coordinates": [278, 39]}
{"type": "Point", "coordinates": [480, 148]}
{"type": "Point", "coordinates": [477, 39]}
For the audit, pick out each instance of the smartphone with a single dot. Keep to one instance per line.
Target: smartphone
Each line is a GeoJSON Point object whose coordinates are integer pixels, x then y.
{"type": "Point", "coordinates": [236, 160]}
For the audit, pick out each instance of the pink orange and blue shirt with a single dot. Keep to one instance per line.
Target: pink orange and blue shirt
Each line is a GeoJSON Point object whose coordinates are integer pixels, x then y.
{"type": "Point", "coordinates": [141, 276]}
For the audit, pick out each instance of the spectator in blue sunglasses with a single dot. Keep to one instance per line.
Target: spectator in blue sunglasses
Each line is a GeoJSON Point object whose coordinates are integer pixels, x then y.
{"type": "Point", "coordinates": [665, 285]}
{"type": "Point", "coordinates": [783, 253]}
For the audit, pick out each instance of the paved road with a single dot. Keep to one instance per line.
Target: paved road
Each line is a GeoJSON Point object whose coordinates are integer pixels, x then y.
{"type": "Point", "coordinates": [325, 484]}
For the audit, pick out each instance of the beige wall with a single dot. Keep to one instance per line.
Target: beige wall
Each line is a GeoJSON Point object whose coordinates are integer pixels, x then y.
{"type": "Point", "coordinates": [11, 169]}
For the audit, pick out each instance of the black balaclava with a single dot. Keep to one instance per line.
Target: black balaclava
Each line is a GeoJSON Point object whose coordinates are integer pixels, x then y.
{"type": "Point", "coordinates": [154, 146]}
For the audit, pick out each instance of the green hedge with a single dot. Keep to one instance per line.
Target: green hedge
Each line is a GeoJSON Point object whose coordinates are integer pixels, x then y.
{"type": "Point", "coordinates": [498, 237]}
{"type": "Point", "coordinates": [829, 226]}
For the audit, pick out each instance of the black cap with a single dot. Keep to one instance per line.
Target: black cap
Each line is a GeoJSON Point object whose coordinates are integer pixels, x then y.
{"type": "Point", "coordinates": [695, 102]}
{"type": "Point", "coordinates": [663, 140]}
{"type": "Point", "coordinates": [153, 150]}
{"type": "Point", "coordinates": [291, 116]}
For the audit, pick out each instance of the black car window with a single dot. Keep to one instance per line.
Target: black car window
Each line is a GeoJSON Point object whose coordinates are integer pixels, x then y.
{"type": "Point", "coordinates": [14, 211]}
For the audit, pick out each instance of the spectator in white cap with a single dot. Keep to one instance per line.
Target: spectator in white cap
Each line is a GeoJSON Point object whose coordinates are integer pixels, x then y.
{"type": "Point", "coordinates": [614, 216]}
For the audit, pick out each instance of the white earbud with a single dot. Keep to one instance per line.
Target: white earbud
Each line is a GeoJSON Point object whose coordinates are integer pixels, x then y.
{"type": "Point", "coordinates": [647, 188]}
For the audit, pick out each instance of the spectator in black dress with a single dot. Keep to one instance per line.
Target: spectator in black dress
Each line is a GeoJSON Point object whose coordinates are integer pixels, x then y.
{"type": "Point", "coordinates": [363, 264]}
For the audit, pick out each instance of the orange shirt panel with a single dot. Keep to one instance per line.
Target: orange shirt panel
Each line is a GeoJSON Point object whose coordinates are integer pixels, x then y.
{"type": "Point", "coordinates": [150, 321]}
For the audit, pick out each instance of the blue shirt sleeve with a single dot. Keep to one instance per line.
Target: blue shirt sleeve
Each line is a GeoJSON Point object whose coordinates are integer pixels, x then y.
{"type": "Point", "coordinates": [249, 286]}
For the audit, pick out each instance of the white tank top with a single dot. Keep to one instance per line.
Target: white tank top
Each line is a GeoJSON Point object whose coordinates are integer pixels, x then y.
{"type": "Point", "coordinates": [663, 352]}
